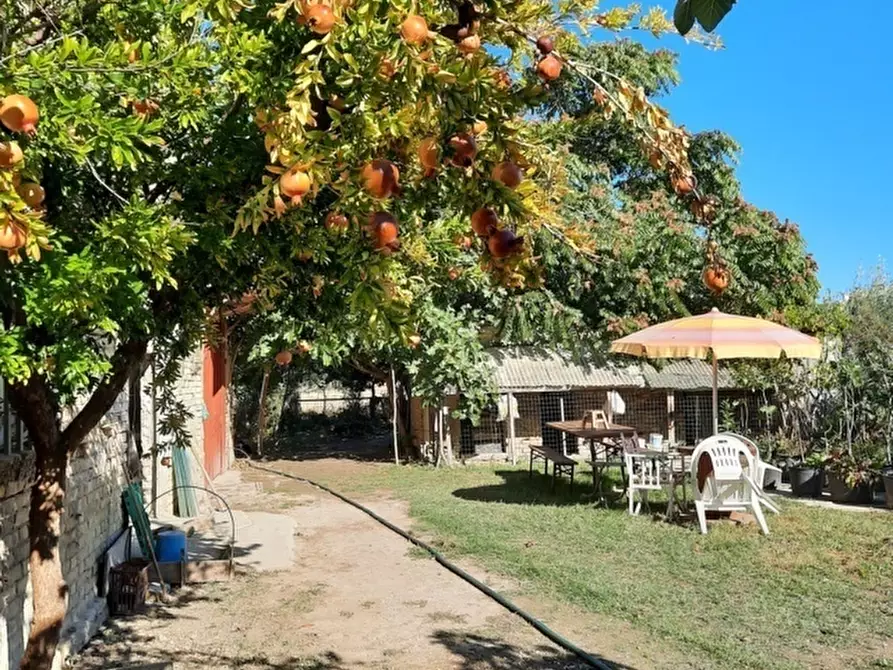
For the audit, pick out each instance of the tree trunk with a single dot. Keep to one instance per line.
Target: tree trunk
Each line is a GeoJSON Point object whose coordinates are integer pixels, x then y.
{"type": "Point", "coordinates": [47, 582]}
{"type": "Point", "coordinates": [262, 412]}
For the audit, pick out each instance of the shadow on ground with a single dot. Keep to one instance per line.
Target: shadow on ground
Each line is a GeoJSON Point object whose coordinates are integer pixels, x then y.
{"type": "Point", "coordinates": [519, 487]}
{"type": "Point", "coordinates": [302, 448]}
{"type": "Point", "coordinates": [485, 653]}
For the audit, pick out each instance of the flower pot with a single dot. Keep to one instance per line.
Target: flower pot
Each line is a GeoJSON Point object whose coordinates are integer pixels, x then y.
{"type": "Point", "coordinates": [806, 482]}
{"type": "Point", "coordinates": [844, 493]}
{"type": "Point", "coordinates": [888, 487]}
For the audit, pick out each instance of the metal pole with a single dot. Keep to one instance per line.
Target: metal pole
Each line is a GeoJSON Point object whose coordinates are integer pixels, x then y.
{"type": "Point", "coordinates": [715, 396]}
{"type": "Point", "coordinates": [510, 401]}
{"type": "Point", "coordinates": [394, 414]}
{"type": "Point", "coordinates": [153, 438]}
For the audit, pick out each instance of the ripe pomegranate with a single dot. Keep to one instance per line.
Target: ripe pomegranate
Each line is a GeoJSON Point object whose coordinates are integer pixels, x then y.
{"type": "Point", "coordinates": [414, 29]}
{"type": "Point", "coordinates": [10, 154]}
{"type": "Point", "coordinates": [19, 114]}
{"type": "Point", "coordinates": [383, 228]}
{"type": "Point", "coordinates": [549, 68]}
{"type": "Point", "coordinates": [283, 357]}
{"type": "Point", "coordinates": [294, 184]}
{"type": "Point", "coordinates": [504, 243]}
{"type": "Point", "coordinates": [429, 155]}
{"type": "Point", "coordinates": [684, 184]}
{"type": "Point", "coordinates": [320, 18]}
{"type": "Point", "coordinates": [12, 237]}
{"type": "Point", "coordinates": [304, 347]}
{"type": "Point", "coordinates": [470, 44]}
{"type": "Point", "coordinates": [508, 173]}
{"type": "Point", "coordinates": [545, 45]}
{"type": "Point", "coordinates": [465, 150]}
{"type": "Point", "coordinates": [717, 279]}
{"type": "Point", "coordinates": [484, 221]}
{"type": "Point", "coordinates": [336, 222]}
{"type": "Point", "coordinates": [381, 178]}
{"type": "Point", "coordinates": [33, 194]}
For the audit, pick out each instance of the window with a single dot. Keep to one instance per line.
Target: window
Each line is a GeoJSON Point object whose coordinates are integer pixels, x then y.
{"type": "Point", "coordinates": [13, 439]}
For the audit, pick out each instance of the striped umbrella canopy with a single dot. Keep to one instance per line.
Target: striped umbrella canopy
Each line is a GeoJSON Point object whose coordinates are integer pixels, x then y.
{"type": "Point", "coordinates": [718, 335]}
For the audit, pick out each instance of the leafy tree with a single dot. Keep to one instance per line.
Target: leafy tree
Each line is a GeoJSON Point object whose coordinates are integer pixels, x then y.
{"type": "Point", "coordinates": [165, 123]}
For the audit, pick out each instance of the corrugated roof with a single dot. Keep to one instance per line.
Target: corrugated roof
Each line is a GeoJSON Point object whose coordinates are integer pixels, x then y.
{"type": "Point", "coordinates": [534, 368]}
{"type": "Point", "coordinates": [540, 369]}
{"type": "Point", "coordinates": [685, 375]}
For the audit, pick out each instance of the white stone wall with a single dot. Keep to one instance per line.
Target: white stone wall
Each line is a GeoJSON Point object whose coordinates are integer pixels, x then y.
{"type": "Point", "coordinates": [93, 520]}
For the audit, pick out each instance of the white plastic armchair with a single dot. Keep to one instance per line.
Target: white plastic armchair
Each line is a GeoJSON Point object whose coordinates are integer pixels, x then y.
{"type": "Point", "coordinates": [722, 471]}
{"type": "Point", "coordinates": [766, 475]}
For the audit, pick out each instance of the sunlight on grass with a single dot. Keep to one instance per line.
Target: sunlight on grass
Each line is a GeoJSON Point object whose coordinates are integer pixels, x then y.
{"type": "Point", "coordinates": [820, 585]}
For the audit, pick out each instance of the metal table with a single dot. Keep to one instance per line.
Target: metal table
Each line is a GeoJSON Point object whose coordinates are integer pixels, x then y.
{"type": "Point", "coordinates": [613, 450]}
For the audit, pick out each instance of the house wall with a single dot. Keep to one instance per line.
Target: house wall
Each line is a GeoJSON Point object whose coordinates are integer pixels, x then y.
{"type": "Point", "coordinates": [94, 518]}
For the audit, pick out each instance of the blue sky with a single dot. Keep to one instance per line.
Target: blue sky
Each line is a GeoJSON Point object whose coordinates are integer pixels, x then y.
{"type": "Point", "coordinates": [806, 88]}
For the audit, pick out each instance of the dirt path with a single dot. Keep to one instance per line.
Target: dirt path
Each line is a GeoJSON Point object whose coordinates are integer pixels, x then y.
{"type": "Point", "coordinates": [357, 596]}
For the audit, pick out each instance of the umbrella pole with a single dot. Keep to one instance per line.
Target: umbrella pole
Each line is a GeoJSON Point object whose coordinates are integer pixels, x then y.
{"type": "Point", "coordinates": [715, 396]}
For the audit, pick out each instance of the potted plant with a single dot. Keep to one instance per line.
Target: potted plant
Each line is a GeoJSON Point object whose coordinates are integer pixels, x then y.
{"type": "Point", "coordinates": [849, 478]}
{"type": "Point", "coordinates": [808, 476]}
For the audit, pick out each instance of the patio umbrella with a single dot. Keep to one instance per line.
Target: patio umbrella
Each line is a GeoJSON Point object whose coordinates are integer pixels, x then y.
{"type": "Point", "coordinates": [718, 335]}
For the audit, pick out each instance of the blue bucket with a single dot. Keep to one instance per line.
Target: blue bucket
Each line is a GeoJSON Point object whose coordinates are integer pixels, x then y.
{"type": "Point", "coordinates": [170, 547]}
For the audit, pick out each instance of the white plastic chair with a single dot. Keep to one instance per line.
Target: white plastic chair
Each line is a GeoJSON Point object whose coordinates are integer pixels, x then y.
{"type": "Point", "coordinates": [729, 486]}
{"type": "Point", "coordinates": [645, 473]}
{"type": "Point", "coordinates": [767, 475]}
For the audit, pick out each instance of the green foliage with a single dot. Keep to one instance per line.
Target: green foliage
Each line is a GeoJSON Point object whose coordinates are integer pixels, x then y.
{"type": "Point", "coordinates": [706, 12]}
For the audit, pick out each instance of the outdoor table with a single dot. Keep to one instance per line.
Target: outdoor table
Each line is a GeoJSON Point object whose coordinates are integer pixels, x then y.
{"type": "Point", "coordinates": [613, 450]}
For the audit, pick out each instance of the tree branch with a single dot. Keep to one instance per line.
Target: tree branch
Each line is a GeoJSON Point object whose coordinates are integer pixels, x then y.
{"type": "Point", "coordinates": [128, 355]}
{"type": "Point", "coordinates": [35, 404]}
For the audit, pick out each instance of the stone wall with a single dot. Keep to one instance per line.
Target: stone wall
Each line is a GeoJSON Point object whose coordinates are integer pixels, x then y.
{"type": "Point", "coordinates": [94, 518]}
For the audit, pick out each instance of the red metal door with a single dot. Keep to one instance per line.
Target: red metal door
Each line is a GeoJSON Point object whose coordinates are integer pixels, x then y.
{"type": "Point", "coordinates": [214, 382]}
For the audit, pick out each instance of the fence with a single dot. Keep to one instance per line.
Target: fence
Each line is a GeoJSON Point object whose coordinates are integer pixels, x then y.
{"type": "Point", "coordinates": [683, 417]}
{"type": "Point", "coordinates": [13, 439]}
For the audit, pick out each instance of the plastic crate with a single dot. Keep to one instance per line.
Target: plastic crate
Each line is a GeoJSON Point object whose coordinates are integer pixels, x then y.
{"type": "Point", "coordinates": [128, 587]}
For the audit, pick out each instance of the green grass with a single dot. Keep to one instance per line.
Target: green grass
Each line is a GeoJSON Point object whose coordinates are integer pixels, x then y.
{"type": "Point", "coordinates": [818, 592]}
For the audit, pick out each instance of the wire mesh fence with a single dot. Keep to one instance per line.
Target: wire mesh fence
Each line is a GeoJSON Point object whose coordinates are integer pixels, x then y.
{"type": "Point", "coordinates": [13, 438]}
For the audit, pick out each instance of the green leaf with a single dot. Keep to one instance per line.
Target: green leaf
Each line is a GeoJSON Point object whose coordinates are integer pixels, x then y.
{"type": "Point", "coordinates": [310, 46]}
{"type": "Point", "coordinates": [710, 12]}
{"type": "Point", "coordinates": [684, 16]}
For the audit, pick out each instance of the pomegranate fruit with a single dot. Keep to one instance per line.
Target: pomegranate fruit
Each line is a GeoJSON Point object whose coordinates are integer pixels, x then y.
{"type": "Point", "coordinates": [465, 150]}
{"type": "Point", "coordinates": [304, 347]}
{"type": "Point", "coordinates": [33, 194]}
{"type": "Point", "coordinates": [429, 155]}
{"type": "Point", "coordinates": [414, 29]}
{"type": "Point", "coordinates": [508, 174]}
{"type": "Point", "coordinates": [545, 45]}
{"type": "Point", "coordinates": [19, 114]}
{"type": "Point", "coordinates": [684, 184]}
{"type": "Point", "coordinates": [336, 222]}
{"type": "Point", "coordinates": [549, 68]}
{"type": "Point", "coordinates": [320, 18]}
{"type": "Point", "coordinates": [294, 184]}
{"type": "Point", "coordinates": [10, 154]}
{"type": "Point", "coordinates": [469, 45]}
{"type": "Point", "coordinates": [504, 243]}
{"type": "Point", "coordinates": [717, 279]}
{"type": "Point", "coordinates": [283, 357]}
{"type": "Point", "coordinates": [484, 221]}
{"type": "Point", "coordinates": [11, 236]}
{"type": "Point", "coordinates": [383, 228]}
{"type": "Point", "coordinates": [381, 178]}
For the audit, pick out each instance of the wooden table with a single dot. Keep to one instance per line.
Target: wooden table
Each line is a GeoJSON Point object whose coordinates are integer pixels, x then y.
{"type": "Point", "coordinates": [613, 450]}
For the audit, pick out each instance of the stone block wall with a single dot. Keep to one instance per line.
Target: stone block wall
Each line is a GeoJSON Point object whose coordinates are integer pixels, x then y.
{"type": "Point", "coordinates": [94, 517]}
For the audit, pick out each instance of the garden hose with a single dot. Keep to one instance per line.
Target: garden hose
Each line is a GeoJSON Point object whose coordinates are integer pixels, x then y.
{"type": "Point", "coordinates": [562, 642]}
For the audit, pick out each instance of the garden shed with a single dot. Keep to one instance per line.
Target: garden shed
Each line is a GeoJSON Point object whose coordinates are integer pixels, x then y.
{"type": "Point", "coordinates": [538, 385]}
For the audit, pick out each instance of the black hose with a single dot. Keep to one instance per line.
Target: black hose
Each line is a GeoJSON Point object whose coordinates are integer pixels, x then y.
{"type": "Point", "coordinates": [456, 570]}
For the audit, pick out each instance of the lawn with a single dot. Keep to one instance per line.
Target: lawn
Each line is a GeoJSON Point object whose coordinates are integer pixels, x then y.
{"type": "Point", "coordinates": [818, 592]}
